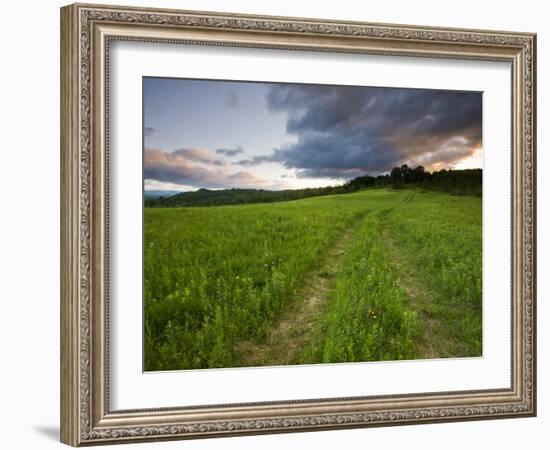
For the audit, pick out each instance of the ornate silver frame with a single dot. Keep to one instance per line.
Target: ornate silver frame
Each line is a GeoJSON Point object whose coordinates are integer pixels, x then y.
{"type": "Point", "coordinates": [86, 31]}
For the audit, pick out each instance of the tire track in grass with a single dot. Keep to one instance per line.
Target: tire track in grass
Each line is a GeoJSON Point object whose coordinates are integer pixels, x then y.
{"type": "Point", "coordinates": [290, 335]}
{"type": "Point", "coordinates": [435, 338]}
{"type": "Point", "coordinates": [419, 296]}
{"type": "Point", "coordinates": [286, 340]}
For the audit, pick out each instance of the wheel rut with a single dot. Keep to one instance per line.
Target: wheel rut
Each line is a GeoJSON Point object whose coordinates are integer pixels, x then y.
{"type": "Point", "coordinates": [435, 339]}
{"type": "Point", "coordinates": [288, 337]}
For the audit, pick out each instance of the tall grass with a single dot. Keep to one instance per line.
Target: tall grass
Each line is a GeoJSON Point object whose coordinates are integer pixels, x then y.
{"type": "Point", "coordinates": [442, 235]}
{"type": "Point", "coordinates": [368, 317]}
{"type": "Point", "coordinates": [219, 274]}
{"type": "Point", "coordinates": [214, 276]}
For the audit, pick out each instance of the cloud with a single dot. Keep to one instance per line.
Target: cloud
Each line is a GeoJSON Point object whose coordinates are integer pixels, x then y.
{"type": "Point", "coordinates": [230, 151]}
{"type": "Point", "coordinates": [201, 155]}
{"type": "Point", "coordinates": [155, 185]}
{"type": "Point", "coordinates": [331, 155]}
{"type": "Point", "coordinates": [345, 131]}
{"type": "Point", "coordinates": [148, 131]}
{"type": "Point", "coordinates": [197, 168]}
{"type": "Point", "coordinates": [231, 100]}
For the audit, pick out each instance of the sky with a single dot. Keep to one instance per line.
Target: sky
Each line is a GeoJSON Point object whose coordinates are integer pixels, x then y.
{"type": "Point", "coordinates": [233, 134]}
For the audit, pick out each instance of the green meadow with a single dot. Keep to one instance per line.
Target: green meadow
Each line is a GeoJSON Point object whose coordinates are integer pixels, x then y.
{"type": "Point", "coordinates": [380, 274]}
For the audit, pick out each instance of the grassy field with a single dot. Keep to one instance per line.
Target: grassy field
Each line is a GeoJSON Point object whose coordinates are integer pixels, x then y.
{"type": "Point", "coordinates": [369, 276]}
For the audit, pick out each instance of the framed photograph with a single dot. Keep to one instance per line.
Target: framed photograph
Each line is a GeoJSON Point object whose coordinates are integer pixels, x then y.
{"type": "Point", "coordinates": [275, 224]}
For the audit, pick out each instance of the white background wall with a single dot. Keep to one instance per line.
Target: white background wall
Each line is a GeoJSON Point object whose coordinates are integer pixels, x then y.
{"type": "Point", "coordinates": [29, 222]}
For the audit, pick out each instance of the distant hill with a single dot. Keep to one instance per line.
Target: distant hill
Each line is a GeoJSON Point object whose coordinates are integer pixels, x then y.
{"type": "Point", "coordinates": [207, 197]}
{"type": "Point", "coordinates": [157, 194]}
{"type": "Point", "coordinates": [456, 182]}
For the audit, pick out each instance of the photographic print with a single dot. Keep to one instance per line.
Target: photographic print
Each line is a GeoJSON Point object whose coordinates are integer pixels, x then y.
{"type": "Point", "coordinates": [275, 224]}
{"type": "Point", "coordinates": [291, 224]}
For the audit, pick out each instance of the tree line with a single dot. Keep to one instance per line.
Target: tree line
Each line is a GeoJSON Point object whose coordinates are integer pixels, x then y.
{"type": "Point", "coordinates": [456, 182]}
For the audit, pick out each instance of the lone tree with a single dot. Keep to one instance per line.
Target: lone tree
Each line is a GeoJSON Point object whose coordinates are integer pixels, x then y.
{"type": "Point", "coordinates": [419, 174]}
{"type": "Point", "coordinates": [396, 177]}
{"type": "Point", "coordinates": [406, 175]}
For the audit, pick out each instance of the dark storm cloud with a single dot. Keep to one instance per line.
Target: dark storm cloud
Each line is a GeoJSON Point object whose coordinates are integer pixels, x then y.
{"type": "Point", "coordinates": [230, 151]}
{"type": "Point", "coordinates": [345, 131]}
